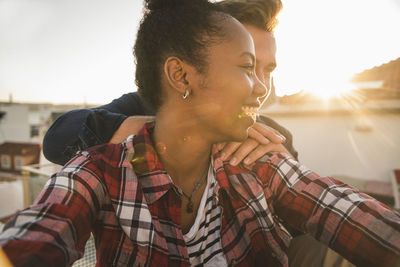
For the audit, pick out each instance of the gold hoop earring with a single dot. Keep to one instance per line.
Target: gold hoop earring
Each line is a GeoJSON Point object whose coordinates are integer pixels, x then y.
{"type": "Point", "coordinates": [186, 94]}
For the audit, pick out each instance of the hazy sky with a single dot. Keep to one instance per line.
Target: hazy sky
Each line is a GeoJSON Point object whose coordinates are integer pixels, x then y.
{"type": "Point", "coordinates": [74, 51]}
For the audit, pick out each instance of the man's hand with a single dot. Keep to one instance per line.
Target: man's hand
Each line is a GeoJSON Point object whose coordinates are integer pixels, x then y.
{"type": "Point", "coordinates": [130, 125]}
{"type": "Point", "coordinates": [262, 139]}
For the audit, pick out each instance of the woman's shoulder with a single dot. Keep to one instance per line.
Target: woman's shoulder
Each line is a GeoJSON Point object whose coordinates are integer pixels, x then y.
{"type": "Point", "coordinates": [101, 162]}
{"type": "Point", "coordinates": [280, 165]}
{"type": "Point", "coordinates": [97, 156]}
{"type": "Point", "coordinates": [270, 162]}
{"type": "Point", "coordinates": [274, 167]}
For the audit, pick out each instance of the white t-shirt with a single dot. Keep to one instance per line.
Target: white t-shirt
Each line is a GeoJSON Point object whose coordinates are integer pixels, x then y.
{"type": "Point", "coordinates": [204, 238]}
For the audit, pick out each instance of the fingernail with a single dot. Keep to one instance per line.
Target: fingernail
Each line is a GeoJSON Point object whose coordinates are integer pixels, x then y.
{"type": "Point", "coordinates": [246, 161]}
{"type": "Point", "coordinates": [233, 161]}
{"type": "Point", "coordinates": [283, 138]}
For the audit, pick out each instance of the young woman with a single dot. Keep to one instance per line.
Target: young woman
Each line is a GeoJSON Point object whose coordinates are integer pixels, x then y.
{"type": "Point", "coordinates": [165, 198]}
{"type": "Point", "coordinates": [81, 129]}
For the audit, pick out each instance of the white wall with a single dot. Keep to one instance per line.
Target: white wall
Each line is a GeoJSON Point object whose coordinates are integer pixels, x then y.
{"type": "Point", "coordinates": [330, 145]}
{"type": "Point", "coordinates": [14, 126]}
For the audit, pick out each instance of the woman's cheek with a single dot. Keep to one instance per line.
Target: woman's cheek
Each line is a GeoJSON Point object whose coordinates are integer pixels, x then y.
{"type": "Point", "coordinates": [249, 85]}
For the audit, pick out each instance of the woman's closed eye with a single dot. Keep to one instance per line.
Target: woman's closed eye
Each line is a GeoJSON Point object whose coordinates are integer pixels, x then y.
{"type": "Point", "coordinates": [250, 68]}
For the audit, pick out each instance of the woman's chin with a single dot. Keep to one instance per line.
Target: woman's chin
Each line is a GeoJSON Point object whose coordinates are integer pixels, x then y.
{"type": "Point", "coordinates": [248, 117]}
{"type": "Point", "coordinates": [240, 134]}
{"type": "Point", "coordinates": [236, 130]}
{"type": "Point", "coordinates": [247, 120]}
{"type": "Point", "coordinates": [239, 131]}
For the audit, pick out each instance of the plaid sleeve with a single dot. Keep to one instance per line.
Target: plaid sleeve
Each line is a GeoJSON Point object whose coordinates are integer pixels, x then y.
{"type": "Point", "coordinates": [54, 229]}
{"type": "Point", "coordinates": [357, 226]}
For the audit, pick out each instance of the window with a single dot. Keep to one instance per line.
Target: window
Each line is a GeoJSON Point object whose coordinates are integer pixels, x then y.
{"type": "Point", "coordinates": [5, 162]}
{"type": "Point", "coordinates": [18, 163]}
{"type": "Point", "coordinates": [35, 130]}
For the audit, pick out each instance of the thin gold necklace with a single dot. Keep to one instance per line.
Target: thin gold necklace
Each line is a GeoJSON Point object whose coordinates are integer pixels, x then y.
{"type": "Point", "coordinates": [189, 206]}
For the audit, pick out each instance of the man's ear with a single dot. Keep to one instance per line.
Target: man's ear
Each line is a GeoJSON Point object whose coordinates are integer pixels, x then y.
{"type": "Point", "coordinates": [176, 73]}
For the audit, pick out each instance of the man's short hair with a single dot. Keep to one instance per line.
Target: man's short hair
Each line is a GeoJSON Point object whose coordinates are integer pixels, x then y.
{"type": "Point", "coordinates": [258, 13]}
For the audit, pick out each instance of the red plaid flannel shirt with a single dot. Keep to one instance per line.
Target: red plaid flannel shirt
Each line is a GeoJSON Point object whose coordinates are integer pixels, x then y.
{"type": "Point", "coordinates": [134, 213]}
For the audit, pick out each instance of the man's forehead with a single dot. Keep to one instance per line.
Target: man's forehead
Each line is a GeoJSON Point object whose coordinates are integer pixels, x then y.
{"type": "Point", "coordinates": [265, 51]}
{"type": "Point", "coordinates": [265, 40]}
{"type": "Point", "coordinates": [262, 39]}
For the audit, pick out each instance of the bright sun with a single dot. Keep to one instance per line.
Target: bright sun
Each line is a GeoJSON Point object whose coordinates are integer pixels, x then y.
{"type": "Point", "coordinates": [318, 51]}
{"type": "Point", "coordinates": [329, 88]}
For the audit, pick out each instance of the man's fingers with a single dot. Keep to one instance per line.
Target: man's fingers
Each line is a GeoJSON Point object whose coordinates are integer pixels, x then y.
{"type": "Point", "coordinates": [270, 133]}
{"type": "Point", "coordinates": [229, 149]}
{"type": "Point", "coordinates": [256, 135]}
{"type": "Point", "coordinates": [257, 153]}
{"type": "Point", "coordinates": [244, 149]}
{"type": "Point", "coordinates": [261, 140]}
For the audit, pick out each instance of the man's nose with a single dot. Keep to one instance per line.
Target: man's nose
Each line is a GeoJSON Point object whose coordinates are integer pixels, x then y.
{"type": "Point", "coordinates": [260, 89]}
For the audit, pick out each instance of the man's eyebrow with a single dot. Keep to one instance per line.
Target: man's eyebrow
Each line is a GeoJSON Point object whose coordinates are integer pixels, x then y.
{"type": "Point", "coordinates": [248, 54]}
{"type": "Point", "coordinates": [270, 66]}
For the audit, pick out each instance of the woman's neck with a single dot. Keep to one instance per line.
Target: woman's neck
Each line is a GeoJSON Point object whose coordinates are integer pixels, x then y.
{"type": "Point", "coordinates": [182, 149]}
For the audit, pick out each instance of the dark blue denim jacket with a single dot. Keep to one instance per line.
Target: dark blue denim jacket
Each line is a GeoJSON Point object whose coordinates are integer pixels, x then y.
{"type": "Point", "coordinates": [80, 129]}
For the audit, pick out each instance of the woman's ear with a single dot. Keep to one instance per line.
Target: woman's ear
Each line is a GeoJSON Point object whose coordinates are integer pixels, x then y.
{"type": "Point", "coordinates": [176, 73]}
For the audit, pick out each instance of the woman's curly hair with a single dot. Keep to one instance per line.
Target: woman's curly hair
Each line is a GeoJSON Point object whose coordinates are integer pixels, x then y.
{"type": "Point", "coordinates": [181, 28]}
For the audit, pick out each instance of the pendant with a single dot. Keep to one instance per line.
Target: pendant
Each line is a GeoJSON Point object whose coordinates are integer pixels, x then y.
{"type": "Point", "coordinates": [189, 207]}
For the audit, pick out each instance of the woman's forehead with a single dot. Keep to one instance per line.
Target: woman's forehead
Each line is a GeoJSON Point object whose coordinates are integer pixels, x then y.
{"type": "Point", "coordinates": [237, 37]}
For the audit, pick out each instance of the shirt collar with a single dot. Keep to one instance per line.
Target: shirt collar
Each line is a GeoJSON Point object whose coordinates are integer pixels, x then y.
{"type": "Point", "coordinates": [143, 158]}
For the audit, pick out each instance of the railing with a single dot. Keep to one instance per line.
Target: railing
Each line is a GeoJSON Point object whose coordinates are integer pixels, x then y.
{"type": "Point", "coordinates": [42, 169]}
{"type": "Point", "coordinates": [395, 179]}
{"type": "Point", "coordinates": [34, 178]}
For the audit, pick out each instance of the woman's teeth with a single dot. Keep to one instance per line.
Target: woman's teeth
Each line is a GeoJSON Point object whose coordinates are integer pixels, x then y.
{"type": "Point", "coordinates": [250, 111]}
